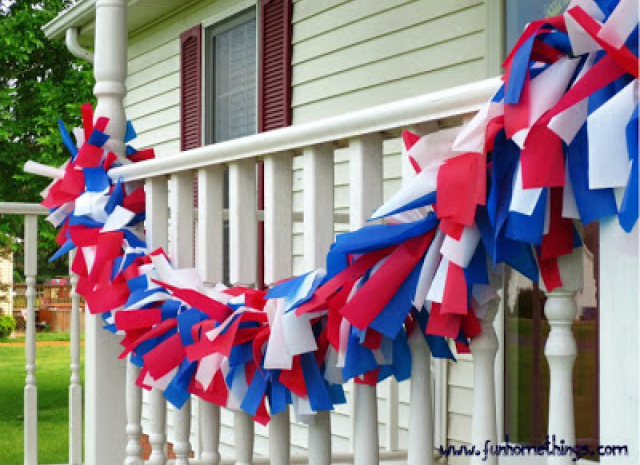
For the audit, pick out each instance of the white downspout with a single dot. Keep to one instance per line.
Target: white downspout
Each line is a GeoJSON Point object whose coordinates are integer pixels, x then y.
{"type": "Point", "coordinates": [74, 47]}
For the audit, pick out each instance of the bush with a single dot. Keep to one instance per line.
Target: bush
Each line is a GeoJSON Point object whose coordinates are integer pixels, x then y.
{"type": "Point", "coordinates": [7, 326]}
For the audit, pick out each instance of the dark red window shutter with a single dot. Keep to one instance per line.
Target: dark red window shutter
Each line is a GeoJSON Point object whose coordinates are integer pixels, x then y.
{"type": "Point", "coordinates": [191, 93]}
{"type": "Point", "coordinates": [274, 75]}
{"type": "Point", "coordinates": [191, 88]}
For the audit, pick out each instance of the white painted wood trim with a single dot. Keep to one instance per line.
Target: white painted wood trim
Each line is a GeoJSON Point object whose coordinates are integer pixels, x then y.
{"type": "Point", "coordinates": [181, 221]}
{"type": "Point", "coordinates": [243, 435]}
{"type": "Point", "coordinates": [278, 229]}
{"type": "Point", "coordinates": [420, 451]}
{"type": "Point", "coordinates": [561, 351]}
{"type": "Point", "coordinates": [318, 197]}
{"type": "Point", "coordinates": [365, 191]}
{"type": "Point", "coordinates": [182, 253]}
{"type": "Point", "coordinates": [105, 374]}
{"type": "Point", "coordinates": [619, 352]}
{"type": "Point", "coordinates": [133, 401]}
{"type": "Point", "coordinates": [319, 448]}
{"type": "Point", "coordinates": [20, 208]}
{"type": "Point", "coordinates": [280, 438]}
{"type": "Point", "coordinates": [75, 383]}
{"type": "Point", "coordinates": [157, 223]}
{"type": "Point", "coordinates": [238, 7]}
{"type": "Point", "coordinates": [318, 237]}
{"type": "Point", "coordinates": [366, 441]}
{"type": "Point", "coordinates": [392, 437]}
{"type": "Point", "coordinates": [182, 424]}
{"type": "Point", "coordinates": [209, 416]}
{"type": "Point", "coordinates": [483, 421]}
{"type": "Point", "coordinates": [210, 247]}
{"type": "Point", "coordinates": [278, 217]}
{"type": "Point", "coordinates": [243, 227]}
{"type": "Point", "coordinates": [436, 105]}
{"type": "Point", "coordinates": [499, 368]}
{"type": "Point", "coordinates": [30, 388]}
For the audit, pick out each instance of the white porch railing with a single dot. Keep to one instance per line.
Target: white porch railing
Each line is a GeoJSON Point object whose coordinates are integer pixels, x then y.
{"type": "Point", "coordinates": [169, 182]}
{"type": "Point", "coordinates": [30, 212]}
{"type": "Point", "coordinates": [194, 238]}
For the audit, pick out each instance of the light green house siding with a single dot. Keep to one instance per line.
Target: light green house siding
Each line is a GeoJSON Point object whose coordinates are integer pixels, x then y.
{"type": "Point", "coordinates": [347, 55]}
{"type": "Point", "coordinates": [360, 53]}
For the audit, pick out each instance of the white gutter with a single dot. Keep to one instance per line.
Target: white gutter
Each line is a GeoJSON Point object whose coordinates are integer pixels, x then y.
{"type": "Point", "coordinates": [77, 50]}
{"type": "Point", "coordinates": [77, 16]}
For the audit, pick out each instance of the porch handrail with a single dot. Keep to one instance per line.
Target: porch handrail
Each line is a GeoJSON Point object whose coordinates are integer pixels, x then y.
{"type": "Point", "coordinates": [22, 208]}
{"type": "Point", "coordinates": [432, 106]}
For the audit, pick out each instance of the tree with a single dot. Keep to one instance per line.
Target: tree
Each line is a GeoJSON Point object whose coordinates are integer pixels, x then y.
{"type": "Point", "coordinates": [40, 82]}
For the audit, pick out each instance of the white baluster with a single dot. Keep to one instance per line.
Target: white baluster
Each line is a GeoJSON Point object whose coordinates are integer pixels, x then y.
{"type": "Point", "coordinates": [133, 399]}
{"type": "Point", "coordinates": [420, 414]}
{"type": "Point", "coordinates": [157, 428]}
{"type": "Point", "coordinates": [318, 204]}
{"type": "Point", "coordinates": [243, 235]}
{"type": "Point", "coordinates": [318, 237]}
{"type": "Point", "coordinates": [243, 227]}
{"type": "Point", "coordinates": [157, 202]}
{"type": "Point", "coordinates": [210, 267]}
{"type": "Point", "coordinates": [105, 374]}
{"type": "Point", "coordinates": [210, 431]}
{"type": "Point", "coordinates": [75, 386]}
{"type": "Point", "coordinates": [365, 192]}
{"type": "Point", "coordinates": [30, 388]}
{"type": "Point", "coordinates": [483, 419]}
{"type": "Point", "coordinates": [560, 350]}
{"type": "Point", "coordinates": [243, 431]}
{"type": "Point", "coordinates": [181, 236]}
{"type": "Point", "coordinates": [392, 415]}
{"type": "Point", "coordinates": [366, 444]}
{"type": "Point", "coordinates": [134, 413]}
{"type": "Point", "coordinates": [278, 230]}
{"type": "Point", "coordinates": [210, 224]}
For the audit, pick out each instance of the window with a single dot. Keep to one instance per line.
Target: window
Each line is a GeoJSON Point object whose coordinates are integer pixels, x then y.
{"type": "Point", "coordinates": [245, 62]}
{"type": "Point", "coordinates": [231, 79]}
{"type": "Point", "coordinates": [521, 12]}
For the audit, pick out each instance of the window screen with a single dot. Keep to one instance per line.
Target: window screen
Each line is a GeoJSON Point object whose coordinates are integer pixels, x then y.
{"type": "Point", "coordinates": [233, 89]}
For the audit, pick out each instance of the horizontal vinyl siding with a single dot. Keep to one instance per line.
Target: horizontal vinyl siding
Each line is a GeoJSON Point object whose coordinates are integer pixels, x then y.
{"type": "Point", "coordinates": [354, 54]}
{"type": "Point", "coordinates": [153, 99]}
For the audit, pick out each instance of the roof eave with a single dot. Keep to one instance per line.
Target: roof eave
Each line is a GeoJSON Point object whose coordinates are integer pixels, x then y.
{"type": "Point", "coordinates": [78, 15]}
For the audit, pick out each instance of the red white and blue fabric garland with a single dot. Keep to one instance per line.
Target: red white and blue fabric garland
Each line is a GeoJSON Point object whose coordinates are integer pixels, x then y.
{"type": "Point", "coordinates": [558, 143]}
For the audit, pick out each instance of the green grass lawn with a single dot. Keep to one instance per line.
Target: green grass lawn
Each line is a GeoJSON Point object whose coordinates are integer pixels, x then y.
{"type": "Point", "coordinates": [43, 336]}
{"type": "Point", "coordinates": [52, 376]}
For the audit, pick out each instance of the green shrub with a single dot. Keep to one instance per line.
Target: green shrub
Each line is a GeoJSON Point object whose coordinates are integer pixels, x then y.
{"type": "Point", "coordinates": [7, 326]}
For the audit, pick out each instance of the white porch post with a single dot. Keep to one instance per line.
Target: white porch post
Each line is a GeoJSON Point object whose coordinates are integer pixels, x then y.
{"type": "Point", "coordinates": [105, 438]}
{"type": "Point", "coordinates": [619, 353]}
{"type": "Point", "coordinates": [561, 352]}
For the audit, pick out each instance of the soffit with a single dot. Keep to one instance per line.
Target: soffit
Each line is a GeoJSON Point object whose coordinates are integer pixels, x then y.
{"type": "Point", "coordinates": [141, 14]}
